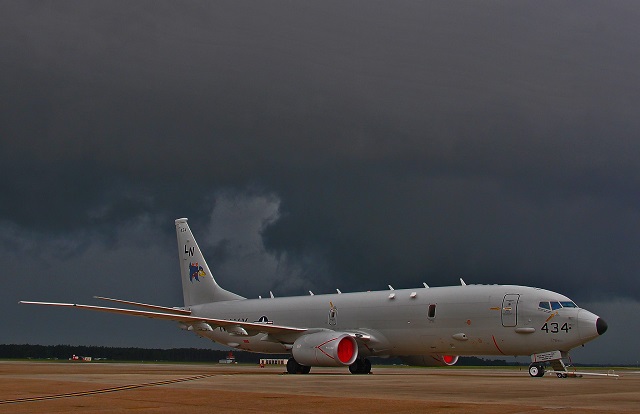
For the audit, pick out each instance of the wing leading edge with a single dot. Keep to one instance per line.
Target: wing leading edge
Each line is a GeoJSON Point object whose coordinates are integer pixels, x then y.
{"type": "Point", "coordinates": [180, 311]}
{"type": "Point", "coordinates": [251, 328]}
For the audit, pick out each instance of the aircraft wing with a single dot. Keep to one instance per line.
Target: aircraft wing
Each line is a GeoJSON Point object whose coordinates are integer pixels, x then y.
{"type": "Point", "coordinates": [250, 327]}
{"type": "Point", "coordinates": [180, 311]}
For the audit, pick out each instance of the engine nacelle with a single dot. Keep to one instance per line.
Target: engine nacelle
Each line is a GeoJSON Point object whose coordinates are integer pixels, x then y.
{"type": "Point", "coordinates": [325, 349]}
{"type": "Point", "coordinates": [432, 360]}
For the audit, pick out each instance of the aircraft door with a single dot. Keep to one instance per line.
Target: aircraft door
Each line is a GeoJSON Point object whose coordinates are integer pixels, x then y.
{"type": "Point", "coordinates": [510, 309]}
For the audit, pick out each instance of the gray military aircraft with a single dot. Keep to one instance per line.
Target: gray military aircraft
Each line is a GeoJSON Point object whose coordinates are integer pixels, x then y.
{"type": "Point", "coordinates": [425, 326]}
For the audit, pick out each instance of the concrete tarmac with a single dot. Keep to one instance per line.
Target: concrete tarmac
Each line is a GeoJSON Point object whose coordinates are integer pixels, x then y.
{"type": "Point", "coordinates": [61, 387]}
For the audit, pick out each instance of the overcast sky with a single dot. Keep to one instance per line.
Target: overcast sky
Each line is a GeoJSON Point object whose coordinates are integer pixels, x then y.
{"type": "Point", "coordinates": [314, 146]}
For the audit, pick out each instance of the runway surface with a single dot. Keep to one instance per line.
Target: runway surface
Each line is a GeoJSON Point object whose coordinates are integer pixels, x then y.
{"type": "Point", "coordinates": [60, 387]}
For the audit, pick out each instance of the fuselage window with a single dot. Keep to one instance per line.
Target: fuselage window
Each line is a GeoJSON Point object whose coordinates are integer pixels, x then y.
{"type": "Point", "coordinates": [555, 305]}
{"type": "Point", "coordinates": [568, 305]}
{"type": "Point", "coordinates": [545, 305]}
{"type": "Point", "coordinates": [432, 311]}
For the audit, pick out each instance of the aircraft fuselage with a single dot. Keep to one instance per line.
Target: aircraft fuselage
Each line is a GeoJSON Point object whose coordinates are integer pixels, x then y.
{"type": "Point", "coordinates": [458, 320]}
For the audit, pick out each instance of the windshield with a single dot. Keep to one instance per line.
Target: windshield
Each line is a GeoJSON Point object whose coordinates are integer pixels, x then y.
{"type": "Point", "coordinates": [568, 305]}
{"type": "Point", "coordinates": [552, 305]}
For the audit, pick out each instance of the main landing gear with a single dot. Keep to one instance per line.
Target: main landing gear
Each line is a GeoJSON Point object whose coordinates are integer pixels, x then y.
{"type": "Point", "coordinates": [294, 368]}
{"type": "Point", "coordinates": [360, 366]}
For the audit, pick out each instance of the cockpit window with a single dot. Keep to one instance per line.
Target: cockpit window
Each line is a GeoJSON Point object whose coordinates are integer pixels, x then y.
{"type": "Point", "coordinates": [568, 305]}
{"type": "Point", "coordinates": [557, 305]}
{"type": "Point", "coordinates": [545, 305]}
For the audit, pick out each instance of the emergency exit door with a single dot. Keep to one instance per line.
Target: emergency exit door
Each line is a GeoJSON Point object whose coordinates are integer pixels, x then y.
{"type": "Point", "coordinates": [510, 309]}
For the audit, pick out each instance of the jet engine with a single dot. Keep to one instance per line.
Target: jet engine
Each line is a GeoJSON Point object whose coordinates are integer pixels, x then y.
{"type": "Point", "coordinates": [432, 360]}
{"type": "Point", "coordinates": [325, 349]}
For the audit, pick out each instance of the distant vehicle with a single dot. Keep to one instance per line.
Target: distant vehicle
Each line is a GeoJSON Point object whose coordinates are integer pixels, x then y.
{"type": "Point", "coordinates": [230, 359]}
{"type": "Point", "coordinates": [424, 326]}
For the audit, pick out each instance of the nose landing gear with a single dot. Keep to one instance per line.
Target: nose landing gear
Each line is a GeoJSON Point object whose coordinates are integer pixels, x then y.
{"type": "Point", "coordinates": [536, 369]}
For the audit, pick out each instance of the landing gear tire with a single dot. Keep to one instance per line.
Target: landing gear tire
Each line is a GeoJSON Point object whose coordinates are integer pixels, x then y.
{"type": "Point", "coordinates": [360, 366]}
{"type": "Point", "coordinates": [355, 367]}
{"type": "Point", "coordinates": [536, 370]}
{"type": "Point", "coordinates": [294, 368]}
{"type": "Point", "coordinates": [367, 366]}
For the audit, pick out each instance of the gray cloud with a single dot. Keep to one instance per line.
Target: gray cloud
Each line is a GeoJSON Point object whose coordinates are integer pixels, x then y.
{"type": "Point", "coordinates": [238, 222]}
{"type": "Point", "coordinates": [363, 144]}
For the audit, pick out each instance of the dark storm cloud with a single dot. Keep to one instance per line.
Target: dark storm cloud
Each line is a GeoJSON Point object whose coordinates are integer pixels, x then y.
{"type": "Point", "coordinates": [391, 143]}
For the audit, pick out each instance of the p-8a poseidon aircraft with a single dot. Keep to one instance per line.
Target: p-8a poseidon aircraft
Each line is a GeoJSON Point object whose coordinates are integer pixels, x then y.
{"type": "Point", "coordinates": [425, 326]}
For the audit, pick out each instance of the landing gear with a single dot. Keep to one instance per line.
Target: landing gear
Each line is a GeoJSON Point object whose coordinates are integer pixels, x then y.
{"type": "Point", "coordinates": [536, 370]}
{"type": "Point", "coordinates": [360, 366]}
{"type": "Point", "coordinates": [294, 368]}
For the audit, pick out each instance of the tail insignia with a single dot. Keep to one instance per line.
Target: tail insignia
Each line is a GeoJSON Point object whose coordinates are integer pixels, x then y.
{"type": "Point", "coordinates": [196, 272]}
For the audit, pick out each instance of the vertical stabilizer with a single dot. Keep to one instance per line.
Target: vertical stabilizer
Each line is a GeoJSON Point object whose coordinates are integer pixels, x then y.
{"type": "Point", "coordinates": [198, 284]}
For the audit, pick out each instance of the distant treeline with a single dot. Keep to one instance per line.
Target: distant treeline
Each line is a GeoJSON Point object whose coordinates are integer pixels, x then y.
{"type": "Point", "coordinates": [175, 355]}
{"type": "Point", "coordinates": [123, 354]}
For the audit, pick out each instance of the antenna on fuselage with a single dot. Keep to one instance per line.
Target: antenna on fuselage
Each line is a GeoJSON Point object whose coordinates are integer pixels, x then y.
{"type": "Point", "coordinates": [391, 287]}
{"type": "Point", "coordinates": [338, 290]}
{"type": "Point", "coordinates": [425, 285]}
{"type": "Point", "coordinates": [462, 282]}
{"type": "Point", "coordinates": [311, 293]}
{"type": "Point", "coordinates": [271, 294]}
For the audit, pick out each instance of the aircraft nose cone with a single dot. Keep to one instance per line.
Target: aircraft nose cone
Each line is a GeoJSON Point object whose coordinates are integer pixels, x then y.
{"type": "Point", "coordinates": [601, 326]}
{"type": "Point", "coordinates": [590, 326]}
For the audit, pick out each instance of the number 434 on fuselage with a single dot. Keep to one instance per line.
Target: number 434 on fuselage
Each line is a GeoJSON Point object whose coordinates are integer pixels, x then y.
{"type": "Point", "coordinates": [425, 326]}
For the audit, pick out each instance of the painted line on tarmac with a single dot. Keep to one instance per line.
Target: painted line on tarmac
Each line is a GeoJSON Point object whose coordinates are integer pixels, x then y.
{"type": "Point", "coordinates": [104, 390]}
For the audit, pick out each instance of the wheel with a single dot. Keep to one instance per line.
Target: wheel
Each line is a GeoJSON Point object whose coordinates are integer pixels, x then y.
{"type": "Point", "coordinates": [536, 370]}
{"type": "Point", "coordinates": [293, 367]}
{"type": "Point", "coordinates": [360, 366]}
{"type": "Point", "coordinates": [305, 369]}
{"type": "Point", "coordinates": [367, 366]}
{"type": "Point", "coordinates": [356, 366]}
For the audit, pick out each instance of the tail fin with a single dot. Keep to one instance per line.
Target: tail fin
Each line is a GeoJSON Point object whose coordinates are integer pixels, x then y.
{"type": "Point", "coordinates": [198, 284]}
